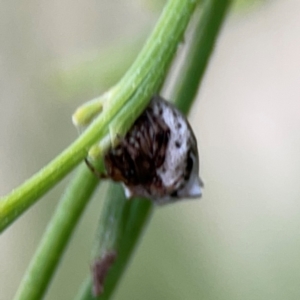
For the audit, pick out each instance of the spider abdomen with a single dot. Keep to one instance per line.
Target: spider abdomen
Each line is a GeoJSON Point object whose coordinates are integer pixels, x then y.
{"type": "Point", "coordinates": [158, 157]}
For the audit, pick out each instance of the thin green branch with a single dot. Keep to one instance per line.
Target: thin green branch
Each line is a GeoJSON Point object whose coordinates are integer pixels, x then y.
{"type": "Point", "coordinates": [56, 238]}
{"type": "Point", "coordinates": [120, 227]}
{"type": "Point", "coordinates": [151, 65]}
{"type": "Point", "coordinates": [126, 231]}
{"type": "Point", "coordinates": [130, 217]}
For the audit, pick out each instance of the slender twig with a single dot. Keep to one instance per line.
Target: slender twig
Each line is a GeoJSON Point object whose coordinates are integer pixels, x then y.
{"type": "Point", "coordinates": [58, 233]}
{"type": "Point", "coordinates": [120, 227]}
{"type": "Point", "coordinates": [55, 240]}
{"type": "Point", "coordinates": [134, 215]}
{"type": "Point", "coordinates": [144, 78]}
{"type": "Point", "coordinates": [130, 217]}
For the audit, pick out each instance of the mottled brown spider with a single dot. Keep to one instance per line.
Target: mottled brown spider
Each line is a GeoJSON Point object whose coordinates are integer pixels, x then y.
{"type": "Point", "coordinates": [157, 158]}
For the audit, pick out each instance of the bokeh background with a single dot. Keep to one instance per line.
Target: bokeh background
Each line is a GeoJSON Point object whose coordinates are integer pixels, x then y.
{"type": "Point", "coordinates": [242, 239]}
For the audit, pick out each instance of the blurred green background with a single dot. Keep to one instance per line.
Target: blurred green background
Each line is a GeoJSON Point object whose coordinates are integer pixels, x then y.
{"type": "Point", "coordinates": [241, 240]}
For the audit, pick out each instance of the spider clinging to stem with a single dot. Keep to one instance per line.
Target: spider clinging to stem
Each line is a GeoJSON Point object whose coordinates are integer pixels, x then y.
{"type": "Point", "coordinates": [157, 158]}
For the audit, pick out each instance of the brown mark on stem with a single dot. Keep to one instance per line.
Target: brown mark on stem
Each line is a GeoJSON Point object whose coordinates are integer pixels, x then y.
{"type": "Point", "coordinates": [100, 268]}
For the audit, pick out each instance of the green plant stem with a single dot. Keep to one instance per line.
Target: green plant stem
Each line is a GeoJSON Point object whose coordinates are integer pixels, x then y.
{"type": "Point", "coordinates": [120, 227]}
{"type": "Point", "coordinates": [206, 32]}
{"type": "Point", "coordinates": [198, 55]}
{"type": "Point", "coordinates": [58, 233]}
{"type": "Point", "coordinates": [150, 67]}
{"type": "Point", "coordinates": [21, 198]}
{"type": "Point", "coordinates": [130, 217]}
{"type": "Point", "coordinates": [136, 215]}
{"type": "Point", "coordinates": [47, 257]}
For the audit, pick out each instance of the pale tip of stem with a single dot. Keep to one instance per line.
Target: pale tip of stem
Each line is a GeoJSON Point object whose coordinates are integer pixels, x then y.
{"type": "Point", "coordinates": [97, 151]}
{"type": "Point", "coordinates": [86, 113]}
